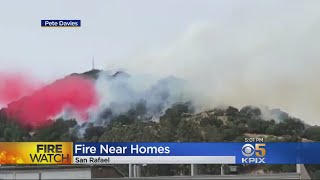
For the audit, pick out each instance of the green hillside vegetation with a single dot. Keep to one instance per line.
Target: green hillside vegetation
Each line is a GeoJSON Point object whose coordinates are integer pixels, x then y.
{"type": "Point", "coordinates": [177, 124]}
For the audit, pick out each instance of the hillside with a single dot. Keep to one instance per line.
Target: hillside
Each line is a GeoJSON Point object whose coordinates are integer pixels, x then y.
{"type": "Point", "coordinates": [179, 123]}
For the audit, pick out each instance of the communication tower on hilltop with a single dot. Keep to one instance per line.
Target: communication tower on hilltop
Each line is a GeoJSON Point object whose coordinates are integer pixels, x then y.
{"type": "Point", "coordinates": [93, 63]}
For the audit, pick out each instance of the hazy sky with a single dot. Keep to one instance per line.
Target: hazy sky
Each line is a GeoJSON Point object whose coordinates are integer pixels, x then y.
{"type": "Point", "coordinates": [237, 51]}
{"type": "Point", "coordinates": [114, 30]}
{"type": "Point", "coordinates": [111, 31]}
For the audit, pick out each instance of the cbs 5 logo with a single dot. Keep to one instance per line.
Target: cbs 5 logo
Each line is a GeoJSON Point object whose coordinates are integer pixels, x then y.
{"type": "Point", "coordinates": [259, 150]}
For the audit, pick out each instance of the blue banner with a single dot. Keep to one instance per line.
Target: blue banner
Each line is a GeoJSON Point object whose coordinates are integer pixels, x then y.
{"type": "Point", "coordinates": [60, 23]}
{"type": "Point", "coordinates": [244, 153]}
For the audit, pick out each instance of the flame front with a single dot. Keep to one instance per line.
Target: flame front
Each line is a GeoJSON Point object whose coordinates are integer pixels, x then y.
{"type": "Point", "coordinates": [6, 158]}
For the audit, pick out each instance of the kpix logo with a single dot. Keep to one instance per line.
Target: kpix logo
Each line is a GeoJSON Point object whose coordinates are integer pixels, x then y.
{"type": "Point", "coordinates": [249, 150]}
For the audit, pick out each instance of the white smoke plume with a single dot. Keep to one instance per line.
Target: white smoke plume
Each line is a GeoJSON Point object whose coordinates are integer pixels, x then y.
{"type": "Point", "coordinates": [122, 92]}
{"type": "Point", "coordinates": [266, 55]}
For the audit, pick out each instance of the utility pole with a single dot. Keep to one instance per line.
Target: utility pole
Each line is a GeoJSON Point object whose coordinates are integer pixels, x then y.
{"type": "Point", "coordinates": [193, 170]}
{"type": "Point", "coordinates": [222, 169]}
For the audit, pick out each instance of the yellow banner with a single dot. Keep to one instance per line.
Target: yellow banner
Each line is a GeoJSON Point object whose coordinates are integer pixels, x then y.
{"type": "Point", "coordinates": [36, 152]}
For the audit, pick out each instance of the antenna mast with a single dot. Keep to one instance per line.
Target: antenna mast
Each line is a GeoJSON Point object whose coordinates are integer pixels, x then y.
{"type": "Point", "coordinates": [93, 63]}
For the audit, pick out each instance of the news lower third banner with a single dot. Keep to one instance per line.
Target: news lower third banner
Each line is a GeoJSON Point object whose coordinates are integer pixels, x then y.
{"type": "Point", "coordinates": [158, 153]}
{"type": "Point", "coordinates": [36, 152]}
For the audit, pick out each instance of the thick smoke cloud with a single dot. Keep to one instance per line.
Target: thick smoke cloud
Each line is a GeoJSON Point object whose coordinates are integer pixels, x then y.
{"type": "Point", "coordinates": [262, 54]}
{"type": "Point", "coordinates": [265, 55]}
{"type": "Point", "coordinates": [122, 92]}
